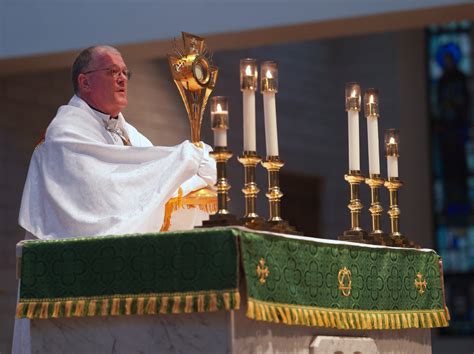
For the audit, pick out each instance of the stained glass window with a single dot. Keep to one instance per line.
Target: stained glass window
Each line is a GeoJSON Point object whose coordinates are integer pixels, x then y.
{"type": "Point", "coordinates": [452, 151]}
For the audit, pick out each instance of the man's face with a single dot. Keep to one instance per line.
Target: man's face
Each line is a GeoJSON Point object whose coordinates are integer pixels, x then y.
{"type": "Point", "coordinates": [100, 88]}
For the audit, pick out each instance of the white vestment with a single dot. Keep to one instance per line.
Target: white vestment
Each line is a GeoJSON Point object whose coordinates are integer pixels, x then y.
{"type": "Point", "coordinates": [83, 181]}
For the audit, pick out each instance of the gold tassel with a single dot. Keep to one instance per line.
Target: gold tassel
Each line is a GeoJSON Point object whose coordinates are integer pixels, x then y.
{"type": "Point", "coordinates": [79, 312]}
{"type": "Point", "coordinates": [357, 320]}
{"type": "Point", "coordinates": [140, 306]}
{"type": "Point", "coordinates": [128, 305]}
{"type": "Point", "coordinates": [213, 303]}
{"type": "Point", "coordinates": [364, 322]}
{"type": "Point", "coordinates": [115, 307]}
{"type": "Point", "coordinates": [282, 314]}
{"type": "Point", "coordinates": [294, 316]}
{"type": "Point", "coordinates": [31, 310]}
{"type": "Point", "coordinates": [344, 319]}
{"type": "Point", "coordinates": [164, 305]}
{"type": "Point", "coordinates": [176, 303]}
{"type": "Point", "coordinates": [374, 321]}
{"type": "Point", "coordinates": [226, 297]}
{"type": "Point", "coordinates": [237, 300]}
{"type": "Point", "coordinates": [422, 318]}
{"type": "Point", "coordinates": [274, 314]}
{"type": "Point", "coordinates": [325, 318]}
{"type": "Point", "coordinates": [262, 311]}
{"type": "Point", "coordinates": [386, 321]}
{"type": "Point", "coordinates": [250, 309]}
{"type": "Point", "coordinates": [68, 309]}
{"type": "Point", "coordinates": [331, 317]}
{"type": "Point", "coordinates": [307, 319]}
{"type": "Point", "coordinates": [44, 310]}
{"type": "Point", "coordinates": [105, 307]}
{"type": "Point", "coordinates": [436, 319]}
{"type": "Point", "coordinates": [268, 312]}
{"type": "Point", "coordinates": [428, 319]}
{"type": "Point", "coordinates": [288, 315]}
{"type": "Point", "coordinates": [448, 316]}
{"type": "Point", "coordinates": [201, 303]}
{"type": "Point", "coordinates": [379, 317]}
{"type": "Point", "coordinates": [443, 319]}
{"type": "Point", "coordinates": [151, 306]}
{"type": "Point", "coordinates": [258, 314]}
{"type": "Point", "coordinates": [416, 323]}
{"type": "Point", "coordinates": [368, 320]}
{"type": "Point", "coordinates": [92, 308]}
{"type": "Point", "coordinates": [404, 321]}
{"type": "Point", "coordinates": [318, 317]}
{"type": "Point", "coordinates": [351, 321]}
{"type": "Point", "coordinates": [188, 305]}
{"type": "Point", "coordinates": [338, 320]}
{"type": "Point", "coordinates": [19, 310]}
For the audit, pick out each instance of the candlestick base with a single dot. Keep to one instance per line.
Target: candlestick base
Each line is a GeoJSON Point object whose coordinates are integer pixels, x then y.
{"type": "Point", "coordinates": [282, 227]}
{"type": "Point", "coordinates": [220, 220]}
{"type": "Point", "coordinates": [256, 223]}
{"type": "Point", "coordinates": [223, 217]}
{"type": "Point", "coordinates": [355, 235]}
{"type": "Point", "coordinates": [378, 237]}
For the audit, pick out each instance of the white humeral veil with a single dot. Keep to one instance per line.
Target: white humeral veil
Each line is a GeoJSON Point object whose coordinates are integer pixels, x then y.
{"type": "Point", "coordinates": [82, 181]}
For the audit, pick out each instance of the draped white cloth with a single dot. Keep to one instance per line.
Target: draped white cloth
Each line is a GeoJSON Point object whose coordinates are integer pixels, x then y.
{"type": "Point", "coordinates": [82, 181]}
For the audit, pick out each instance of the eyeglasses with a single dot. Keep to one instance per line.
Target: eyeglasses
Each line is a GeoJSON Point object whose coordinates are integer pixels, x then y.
{"type": "Point", "coordinates": [114, 72]}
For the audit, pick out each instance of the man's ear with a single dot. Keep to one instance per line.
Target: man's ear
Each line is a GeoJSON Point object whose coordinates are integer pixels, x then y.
{"type": "Point", "coordinates": [83, 82]}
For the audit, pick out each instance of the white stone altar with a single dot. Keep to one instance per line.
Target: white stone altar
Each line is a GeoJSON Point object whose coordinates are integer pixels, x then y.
{"type": "Point", "coordinates": [217, 332]}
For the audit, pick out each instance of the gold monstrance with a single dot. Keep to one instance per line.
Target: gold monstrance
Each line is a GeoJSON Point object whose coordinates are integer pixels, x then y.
{"type": "Point", "coordinates": [195, 77]}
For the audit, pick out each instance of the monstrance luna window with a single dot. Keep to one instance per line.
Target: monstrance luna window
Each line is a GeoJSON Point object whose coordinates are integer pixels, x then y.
{"type": "Point", "coordinates": [452, 150]}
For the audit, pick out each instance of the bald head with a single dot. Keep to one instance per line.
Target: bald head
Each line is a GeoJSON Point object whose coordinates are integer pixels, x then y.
{"type": "Point", "coordinates": [100, 78]}
{"type": "Point", "coordinates": [85, 60]}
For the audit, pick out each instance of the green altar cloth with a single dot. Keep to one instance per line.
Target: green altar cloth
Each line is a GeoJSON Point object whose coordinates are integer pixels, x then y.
{"type": "Point", "coordinates": [292, 280]}
{"type": "Point", "coordinates": [132, 274]}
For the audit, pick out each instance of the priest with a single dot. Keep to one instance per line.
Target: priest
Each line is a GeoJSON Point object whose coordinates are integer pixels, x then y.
{"type": "Point", "coordinates": [93, 173]}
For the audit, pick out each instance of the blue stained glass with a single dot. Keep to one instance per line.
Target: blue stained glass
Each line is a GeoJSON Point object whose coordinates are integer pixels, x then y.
{"type": "Point", "coordinates": [449, 64]}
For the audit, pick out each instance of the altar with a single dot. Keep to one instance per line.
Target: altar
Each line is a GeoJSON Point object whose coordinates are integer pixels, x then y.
{"type": "Point", "coordinates": [228, 289]}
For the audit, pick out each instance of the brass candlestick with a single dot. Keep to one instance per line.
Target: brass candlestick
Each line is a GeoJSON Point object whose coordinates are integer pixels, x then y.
{"type": "Point", "coordinates": [273, 164]}
{"type": "Point", "coordinates": [355, 233]}
{"type": "Point", "coordinates": [223, 217]}
{"type": "Point", "coordinates": [393, 185]}
{"type": "Point", "coordinates": [377, 236]}
{"type": "Point", "coordinates": [250, 159]}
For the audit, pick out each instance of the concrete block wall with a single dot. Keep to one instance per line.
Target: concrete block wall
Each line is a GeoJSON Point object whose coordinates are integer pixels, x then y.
{"type": "Point", "coordinates": [311, 120]}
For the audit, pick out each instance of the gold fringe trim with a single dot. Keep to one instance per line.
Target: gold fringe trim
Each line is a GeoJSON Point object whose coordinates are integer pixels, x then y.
{"type": "Point", "coordinates": [176, 203]}
{"type": "Point", "coordinates": [140, 305]}
{"type": "Point", "coordinates": [344, 319]}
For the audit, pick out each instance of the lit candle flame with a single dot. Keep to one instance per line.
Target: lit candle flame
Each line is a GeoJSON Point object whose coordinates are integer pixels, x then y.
{"type": "Point", "coordinates": [392, 141]}
{"type": "Point", "coordinates": [353, 94]}
{"type": "Point", "coordinates": [269, 74]}
{"type": "Point", "coordinates": [248, 70]}
{"type": "Point", "coordinates": [218, 108]}
{"type": "Point", "coordinates": [371, 99]}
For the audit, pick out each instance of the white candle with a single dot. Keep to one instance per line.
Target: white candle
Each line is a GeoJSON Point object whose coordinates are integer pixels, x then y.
{"type": "Point", "coordinates": [250, 140]}
{"type": "Point", "coordinates": [353, 128]}
{"type": "Point", "coordinates": [220, 137]}
{"type": "Point", "coordinates": [392, 166]}
{"type": "Point", "coordinates": [271, 132]}
{"type": "Point", "coordinates": [219, 122]}
{"type": "Point", "coordinates": [373, 142]}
